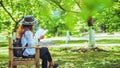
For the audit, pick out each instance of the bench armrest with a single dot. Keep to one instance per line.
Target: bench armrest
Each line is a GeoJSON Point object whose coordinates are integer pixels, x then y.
{"type": "Point", "coordinates": [22, 47]}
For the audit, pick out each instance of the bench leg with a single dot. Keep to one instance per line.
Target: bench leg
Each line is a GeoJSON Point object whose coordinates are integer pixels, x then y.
{"type": "Point", "coordinates": [14, 66]}
{"type": "Point", "coordinates": [36, 66]}
{"type": "Point", "coordinates": [10, 64]}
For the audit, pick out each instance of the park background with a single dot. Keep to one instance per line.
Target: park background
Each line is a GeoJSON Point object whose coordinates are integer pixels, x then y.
{"type": "Point", "coordinates": [81, 33]}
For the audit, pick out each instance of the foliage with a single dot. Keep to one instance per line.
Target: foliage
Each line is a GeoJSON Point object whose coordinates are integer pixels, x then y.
{"type": "Point", "coordinates": [109, 19]}
{"type": "Point", "coordinates": [91, 7]}
{"type": "Point", "coordinates": [59, 15]}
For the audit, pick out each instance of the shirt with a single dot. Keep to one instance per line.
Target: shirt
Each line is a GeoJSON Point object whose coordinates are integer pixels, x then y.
{"type": "Point", "coordinates": [28, 38]}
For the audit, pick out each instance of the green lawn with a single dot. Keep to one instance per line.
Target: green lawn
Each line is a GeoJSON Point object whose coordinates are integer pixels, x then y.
{"type": "Point", "coordinates": [73, 57]}
{"type": "Point", "coordinates": [102, 41]}
{"type": "Point", "coordinates": [77, 57]}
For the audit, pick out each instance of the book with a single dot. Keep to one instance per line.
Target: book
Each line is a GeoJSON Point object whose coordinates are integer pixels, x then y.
{"type": "Point", "coordinates": [40, 32]}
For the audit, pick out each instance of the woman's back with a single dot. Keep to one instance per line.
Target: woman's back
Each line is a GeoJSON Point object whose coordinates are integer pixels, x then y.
{"type": "Point", "coordinates": [27, 39]}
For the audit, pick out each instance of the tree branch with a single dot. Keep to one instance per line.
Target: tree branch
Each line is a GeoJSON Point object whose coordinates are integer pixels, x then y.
{"type": "Point", "coordinates": [58, 4]}
{"type": "Point", "coordinates": [7, 11]}
{"type": "Point", "coordinates": [16, 22]}
{"type": "Point", "coordinates": [63, 9]}
{"type": "Point", "coordinates": [77, 3]}
{"type": "Point", "coordinates": [0, 2]}
{"type": "Point", "coordinates": [15, 27]}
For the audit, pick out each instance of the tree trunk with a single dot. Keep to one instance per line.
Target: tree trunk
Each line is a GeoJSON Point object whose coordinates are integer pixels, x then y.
{"type": "Point", "coordinates": [91, 33]}
{"type": "Point", "coordinates": [67, 36]}
{"type": "Point", "coordinates": [91, 38]}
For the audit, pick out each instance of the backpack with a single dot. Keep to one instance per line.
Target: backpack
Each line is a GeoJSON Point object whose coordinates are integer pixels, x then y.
{"type": "Point", "coordinates": [18, 52]}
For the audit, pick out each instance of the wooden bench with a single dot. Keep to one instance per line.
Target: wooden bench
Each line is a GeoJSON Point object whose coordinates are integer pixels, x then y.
{"type": "Point", "coordinates": [15, 61]}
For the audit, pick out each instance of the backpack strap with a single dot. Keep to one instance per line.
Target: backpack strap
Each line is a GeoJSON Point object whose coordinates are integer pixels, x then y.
{"type": "Point", "coordinates": [24, 48]}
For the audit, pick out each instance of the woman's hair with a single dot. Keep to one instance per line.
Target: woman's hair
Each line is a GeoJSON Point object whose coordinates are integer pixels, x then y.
{"type": "Point", "coordinates": [20, 30]}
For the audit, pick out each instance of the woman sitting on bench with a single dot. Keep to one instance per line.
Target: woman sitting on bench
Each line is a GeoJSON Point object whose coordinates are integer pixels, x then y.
{"type": "Point", "coordinates": [26, 33]}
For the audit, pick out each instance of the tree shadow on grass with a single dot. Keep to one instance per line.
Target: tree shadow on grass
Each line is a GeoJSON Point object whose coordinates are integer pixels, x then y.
{"type": "Point", "coordinates": [87, 58]}
{"type": "Point", "coordinates": [3, 44]}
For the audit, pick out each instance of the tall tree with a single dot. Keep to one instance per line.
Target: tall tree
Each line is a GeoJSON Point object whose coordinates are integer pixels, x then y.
{"type": "Point", "coordinates": [89, 9]}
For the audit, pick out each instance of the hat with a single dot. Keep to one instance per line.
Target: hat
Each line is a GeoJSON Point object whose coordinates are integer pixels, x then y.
{"type": "Point", "coordinates": [28, 20]}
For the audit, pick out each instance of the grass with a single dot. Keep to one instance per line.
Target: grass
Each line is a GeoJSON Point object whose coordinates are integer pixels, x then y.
{"type": "Point", "coordinates": [3, 44]}
{"type": "Point", "coordinates": [108, 41]}
{"type": "Point", "coordinates": [103, 41]}
{"type": "Point", "coordinates": [73, 57]}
